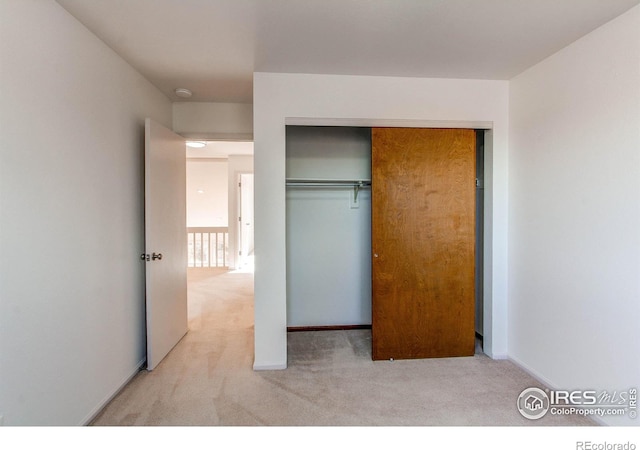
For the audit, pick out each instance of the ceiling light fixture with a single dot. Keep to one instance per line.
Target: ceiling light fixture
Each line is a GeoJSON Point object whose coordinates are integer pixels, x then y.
{"type": "Point", "coordinates": [182, 92]}
{"type": "Point", "coordinates": [196, 144]}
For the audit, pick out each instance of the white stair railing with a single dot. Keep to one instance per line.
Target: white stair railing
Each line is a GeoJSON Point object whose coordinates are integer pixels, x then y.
{"type": "Point", "coordinates": [208, 246]}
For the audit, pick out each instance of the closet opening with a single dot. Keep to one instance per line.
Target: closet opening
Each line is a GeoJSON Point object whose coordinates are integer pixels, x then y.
{"type": "Point", "coordinates": [328, 200]}
{"type": "Point", "coordinates": [329, 238]}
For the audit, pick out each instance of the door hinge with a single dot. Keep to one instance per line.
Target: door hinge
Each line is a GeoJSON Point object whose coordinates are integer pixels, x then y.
{"type": "Point", "coordinates": [239, 219]}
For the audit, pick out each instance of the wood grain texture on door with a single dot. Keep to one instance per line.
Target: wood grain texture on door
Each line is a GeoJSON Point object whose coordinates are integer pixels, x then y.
{"type": "Point", "coordinates": [423, 243]}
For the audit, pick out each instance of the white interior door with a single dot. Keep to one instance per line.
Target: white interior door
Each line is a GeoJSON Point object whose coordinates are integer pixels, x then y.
{"type": "Point", "coordinates": [166, 240]}
{"type": "Point", "coordinates": [246, 216]}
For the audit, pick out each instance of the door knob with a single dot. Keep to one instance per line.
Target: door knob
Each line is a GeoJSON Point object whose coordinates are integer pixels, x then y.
{"type": "Point", "coordinates": [375, 255]}
{"type": "Point", "coordinates": [155, 256]}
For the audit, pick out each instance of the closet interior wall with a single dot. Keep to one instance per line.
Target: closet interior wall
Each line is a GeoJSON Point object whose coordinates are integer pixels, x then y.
{"type": "Point", "coordinates": [328, 234]}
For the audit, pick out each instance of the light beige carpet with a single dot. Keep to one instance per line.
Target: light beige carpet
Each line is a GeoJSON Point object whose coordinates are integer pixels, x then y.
{"type": "Point", "coordinates": [208, 378]}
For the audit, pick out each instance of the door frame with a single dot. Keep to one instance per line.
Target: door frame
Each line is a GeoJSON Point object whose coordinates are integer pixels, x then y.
{"type": "Point", "coordinates": [488, 230]}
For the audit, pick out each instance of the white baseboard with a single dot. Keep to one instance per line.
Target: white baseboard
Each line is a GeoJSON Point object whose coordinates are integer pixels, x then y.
{"type": "Point", "coordinates": [95, 411]}
{"type": "Point", "coordinates": [600, 421]}
{"type": "Point", "coordinates": [548, 384]}
{"type": "Point", "coordinates": [544, 381]}
{"type": "Point", "coordinates": [498, 356]}
{"type": "Point", "coordinates": [271, 366]}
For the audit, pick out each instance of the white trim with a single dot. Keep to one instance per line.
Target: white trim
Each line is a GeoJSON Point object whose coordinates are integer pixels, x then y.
{"type": "Point", "coordinates": [257, 366]}
{"type": "Point", "coordinates": [541, 379]}
{"type": "Point", "coordinates": [101, 405]}
{"type": "Point", "coordinates": [599, 420]}
{"type": "Point", "coordinates": [488, 297]}
{"type": "Point", "coordinates": [233, 137]}
{"type": "Point", "coordinates": [376, 123]}
{"type": "Point", "coordinates": [548, 384]}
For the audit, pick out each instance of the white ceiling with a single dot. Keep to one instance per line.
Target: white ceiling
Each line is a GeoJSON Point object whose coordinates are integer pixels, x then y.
{"type": "Point", "coordinates": [212, 47]}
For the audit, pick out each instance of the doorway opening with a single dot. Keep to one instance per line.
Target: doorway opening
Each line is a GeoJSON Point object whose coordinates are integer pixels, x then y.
{"type": "Point", "coordinates": [219, 229]}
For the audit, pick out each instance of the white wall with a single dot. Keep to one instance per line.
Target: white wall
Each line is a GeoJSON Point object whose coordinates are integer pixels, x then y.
{"type": "Point", "coordinates": [207, 196]}
{"type": "Point", "coordinates": [574, 215]}
{"type": "Point", "coordinates": [328, 241]}
{"type": "Point", "coordinates": [237, 164]}
{"type": "Point", "coordinates": [71, 214]}
{"type": "Point", "coordinates": [297, 99]}
{"type": "Point", "coordinates": [214, 121]}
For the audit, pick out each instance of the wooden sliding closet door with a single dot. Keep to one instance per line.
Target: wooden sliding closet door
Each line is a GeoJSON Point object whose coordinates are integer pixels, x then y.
{"type": "Point", "coordinates": [423, 239]}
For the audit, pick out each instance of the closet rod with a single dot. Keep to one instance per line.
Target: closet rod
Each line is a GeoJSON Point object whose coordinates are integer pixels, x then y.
{"type": "Point", "coordinates": [355, 184]}
{"type": "Point", "coordinates": [360, 185]}
{"type": "Point", "coordinates": [326, 182]}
